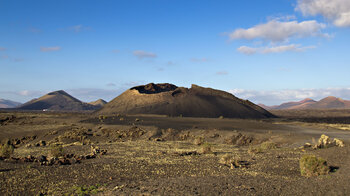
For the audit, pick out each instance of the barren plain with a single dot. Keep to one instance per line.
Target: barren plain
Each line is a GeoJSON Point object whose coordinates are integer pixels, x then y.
{"type": "Point", "coordinates": [160, 155]}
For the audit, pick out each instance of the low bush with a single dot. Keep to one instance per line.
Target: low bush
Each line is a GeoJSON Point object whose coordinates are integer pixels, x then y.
{"type": "Point", "coordinates": [198, 141]}
{"type": "Point", "coordinates": [263, 147]}
{"type": "Point", "coordinates": [56, 151]}
{"type": "Point", "coordinates": [310, 165]}
{"type": "Point", "coordinates": [206, 148]}
{"type": "Point", "coordinates": [227, 159]}
{"type": "Point", "coordinates": [268, 145]}
{"type": "Point", "coordinates": [84, 190]}
{"type": "Point", "coordinates": [6, 150]}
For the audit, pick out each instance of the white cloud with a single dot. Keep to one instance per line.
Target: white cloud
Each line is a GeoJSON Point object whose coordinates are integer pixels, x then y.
{"type": "Point", "coordinates": [281, 96]}
{"type": "Point", "coordinates": [111, 84]}
{"type": "Point", "coordinates": [247, 50]}
{"type": "Point", "coordinates": [50, 49]}
{"type": "Point", "coordinates": [92, 94]}
{"type": "Point", "coordinates": [23, 93]}
{"type": "Point", "coordinates": [116, 51]}
{"type": "Point", "coordinates": [143, 54]}
{"type": "Point", "coordinates": [222, 73]}
{"type": "Point", "coordinates": [199, 60]}
{"type": "Point", "coordinates": [2, 49]}
{"type": "Point", "coordinates": [134, 83]}
{"type": "Point", "coordinates": [282, 17]}
{"type": "Point", "coordinates": [273, 49]}
{"type": "Point", "coordinates": [337, 11]}
{"type": "Point", "coordinates": [277, 31]}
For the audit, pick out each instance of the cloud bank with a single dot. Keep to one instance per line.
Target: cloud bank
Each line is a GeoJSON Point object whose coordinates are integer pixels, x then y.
{"type": "Point", "coordinates": [337, 11]}
{"type": "Point", "coordinates": [279, 31]}
{"type": "Point", "coordinates": [274, 49]}
{"type": "Point", "coordinates": [281, 96]}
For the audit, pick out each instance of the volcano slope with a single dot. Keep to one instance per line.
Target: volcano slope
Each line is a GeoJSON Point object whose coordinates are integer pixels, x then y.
{"type": "Point", "coordinates": [168, 99]}
{"type": "Point", "coordinates": [57, 101]}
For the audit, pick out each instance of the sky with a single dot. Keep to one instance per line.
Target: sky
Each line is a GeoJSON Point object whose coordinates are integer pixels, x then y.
{"type": "Point", "coordinates": [266, 51]}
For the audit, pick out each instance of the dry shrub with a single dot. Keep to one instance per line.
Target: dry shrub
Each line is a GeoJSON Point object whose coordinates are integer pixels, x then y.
{"type": "Point", "coordinates": [227, 159]}
{"type": "Point", "coordinates": [268, 145]}
{"type": "Point", "coordinates": [232, 162]}
{"type": "Point", "coordinates": [310, 165]}
{"type": "Point", "coordinates": [262, 147]}
{"type": "Point", "coordinates": [56, 151]}
{"type": "Point", "coordinates": [6, 150]}
{"type": "Point", "coordinates": [206, 148]}
{"type": "Point", "coordinates": [255, 150]}
{"type": "Point", "coordinates": [198, 141]}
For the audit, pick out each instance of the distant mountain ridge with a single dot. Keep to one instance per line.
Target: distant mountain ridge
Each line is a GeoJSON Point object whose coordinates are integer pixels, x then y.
{"type": "Point", "coordinates": [57, 101]}
{"type": "Point", "coordinates": [330, 102]}
{"type": "Point", "coordinates": [4, 103]}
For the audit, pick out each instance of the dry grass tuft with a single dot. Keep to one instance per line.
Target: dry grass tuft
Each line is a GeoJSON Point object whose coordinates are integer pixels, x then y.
{"type": "Point", "coordinates": [206, 148]}
{"type": "Point", "coordinates": [56, 151]}
{"type": "Point", "coordinates": [262, 147]}
{"type": "Point", "coordinates": [6, 150]}
{"type": "Point", "coordinates": [198, 141]}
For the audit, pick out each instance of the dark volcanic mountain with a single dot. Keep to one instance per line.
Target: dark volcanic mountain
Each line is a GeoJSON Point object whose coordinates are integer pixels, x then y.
{"type": "Point", "coordinates": [326, 103]}
{"type": "Point", "coordinates": [57, 101]}
{"type": "Point", "coordinates": [8, 103]}
{"type": "Point", "coordinates": [99, 102]}
{"type": "Point", "coordinates": [168, 99]}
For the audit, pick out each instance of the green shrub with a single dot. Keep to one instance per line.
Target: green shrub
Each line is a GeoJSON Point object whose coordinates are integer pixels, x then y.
{"type": "Point", "coordinates": [310, 165]}
{"type": "Point", "coordinates": [86, 190]}
{"type": "Point", "coordinates": [6, 150]}
{"type": "Point", "coordinates": [56, 151]}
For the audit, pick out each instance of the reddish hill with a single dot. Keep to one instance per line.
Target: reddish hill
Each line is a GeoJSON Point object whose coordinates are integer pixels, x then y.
{"type": "Point", "coordinates": [168, 99]}
{"type": "Point", "coordinates": [326, 103]}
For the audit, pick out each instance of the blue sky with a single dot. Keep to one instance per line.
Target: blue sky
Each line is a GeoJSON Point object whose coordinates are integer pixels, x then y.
{"type": "Point", "coordinates": [265, 51]}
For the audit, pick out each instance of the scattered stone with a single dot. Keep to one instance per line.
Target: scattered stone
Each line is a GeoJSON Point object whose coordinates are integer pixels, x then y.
{"type": "Point", "coordinates": [90, 156]}
{"type": "Point", "coordinates": [325, 142]}
{"type": "Point", "coordinates": [42, 158]}
{"type": "Point", "coordinates": [338, 142]}
{"type": "Point", "coordinates": [189, 153]}
{"type": "Point", "coordinates": [158, 139]}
